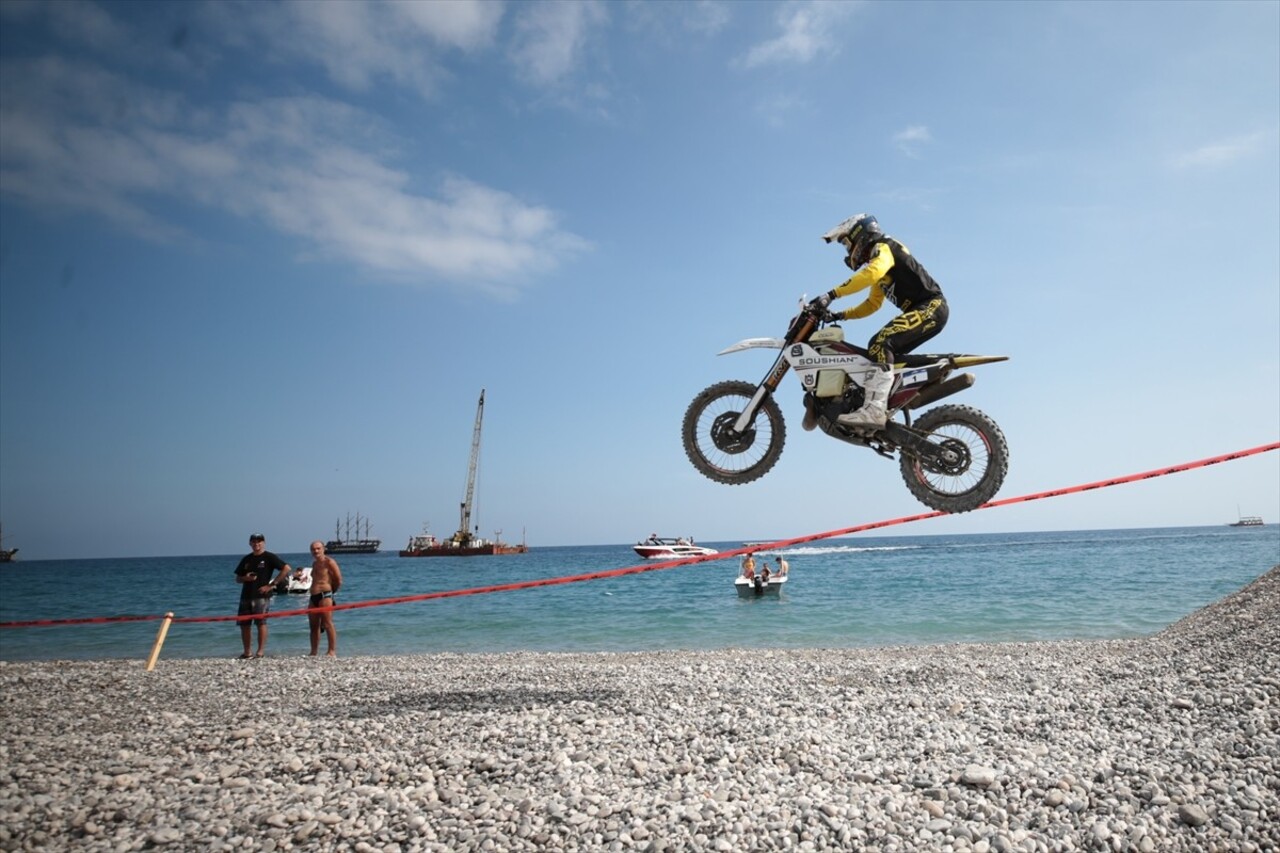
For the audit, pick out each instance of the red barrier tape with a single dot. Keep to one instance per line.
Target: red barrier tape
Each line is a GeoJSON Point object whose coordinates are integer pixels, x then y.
{"type": "Point", "coordinates": [670, 564]}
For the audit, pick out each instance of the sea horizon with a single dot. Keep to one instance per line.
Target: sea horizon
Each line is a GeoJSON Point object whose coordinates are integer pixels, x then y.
{"type": "Point", "coordinates": [732, 543]}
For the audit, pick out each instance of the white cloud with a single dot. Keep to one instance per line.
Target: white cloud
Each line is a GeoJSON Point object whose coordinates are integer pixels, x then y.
{"type": "Point", "coordinates": [910, 139]}
{"type": "Point", "coordinates": [703, 16]}
{"type": "Point", "coordinates": [808, 31]}
{"type": "Point", "coordinates": [1223, 152]}
{"type": "Point", "coordinates": [780, 108]}
{"type": "Point", "coordinates": [76, 138]}
{"type": "Point", "coordinates": [551, 37]}
{"type": "Point", "coordinates": [462, 24]}
{"type": "Point", "coordinates": [358, 43]}
{"type": "Point", "coordinates": [919, 198]}
{"type": "Point", "coordinates": [661, 21]}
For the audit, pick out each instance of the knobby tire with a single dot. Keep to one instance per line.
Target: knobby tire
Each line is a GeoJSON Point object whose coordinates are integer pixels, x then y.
{"type": "Point", "coordinates": [719, 404]}
{"type": "Point", "coordinates": [982, 478]}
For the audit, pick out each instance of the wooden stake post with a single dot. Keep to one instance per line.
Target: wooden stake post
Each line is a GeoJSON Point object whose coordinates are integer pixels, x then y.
{"type": "Point", "coordinates": [160, 635]}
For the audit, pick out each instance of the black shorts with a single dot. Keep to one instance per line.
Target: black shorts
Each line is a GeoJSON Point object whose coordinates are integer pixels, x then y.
{"type": "Point", "coordinates": [254, 607]}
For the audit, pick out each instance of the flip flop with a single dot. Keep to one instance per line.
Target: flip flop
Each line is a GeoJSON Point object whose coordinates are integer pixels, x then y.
{"type": "Point", "coordinates": [245, 657]}
{"type": "Point", "coordinates": [260, 655]}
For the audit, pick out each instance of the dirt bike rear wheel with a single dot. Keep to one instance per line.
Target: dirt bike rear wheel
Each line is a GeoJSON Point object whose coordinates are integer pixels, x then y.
{"type": "Point", "coordinates": [716, 450]}
{"type": "Point", "coordinates": [979, 468]}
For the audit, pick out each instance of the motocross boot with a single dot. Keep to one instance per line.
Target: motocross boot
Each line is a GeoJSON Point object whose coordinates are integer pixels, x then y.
{"type": "Point", "coordinates": [874, 411]}
{"type": "Point", "coordinates": [810, 415]}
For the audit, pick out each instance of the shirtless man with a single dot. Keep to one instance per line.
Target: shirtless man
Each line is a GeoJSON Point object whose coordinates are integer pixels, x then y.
{"type": "Point", "coordinates": [326, 580]}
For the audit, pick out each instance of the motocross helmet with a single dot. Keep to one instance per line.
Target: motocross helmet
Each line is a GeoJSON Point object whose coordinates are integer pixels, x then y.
{"type": "Point", "coordinates": [856, 234]}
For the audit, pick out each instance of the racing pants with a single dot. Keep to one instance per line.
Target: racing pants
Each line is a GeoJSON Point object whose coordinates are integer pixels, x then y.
{"type": "Point", "coordinates": [908, 330]}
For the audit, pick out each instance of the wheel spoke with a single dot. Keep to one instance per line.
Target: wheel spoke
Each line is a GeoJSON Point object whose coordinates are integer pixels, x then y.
{"type": "Point", "coordinates": [727, 451]}
{"type": "Point", "coordinates": [719, 451]}
{"type": "Point", "coordinates": [968, 476]}
{"type": "Point", "coordinates": [972, 467]}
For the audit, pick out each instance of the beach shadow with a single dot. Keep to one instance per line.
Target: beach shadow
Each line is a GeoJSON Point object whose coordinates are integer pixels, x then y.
{"type": "Point", "coordinates": [505, 699]}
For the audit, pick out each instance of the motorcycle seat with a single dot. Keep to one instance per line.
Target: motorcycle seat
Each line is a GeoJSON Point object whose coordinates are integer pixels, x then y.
{"type": "Point", "coordinates": [920, 359]}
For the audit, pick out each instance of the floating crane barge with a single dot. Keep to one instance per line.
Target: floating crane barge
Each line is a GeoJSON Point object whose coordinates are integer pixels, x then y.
{"type": "Point", "coordinates": [464, 543]}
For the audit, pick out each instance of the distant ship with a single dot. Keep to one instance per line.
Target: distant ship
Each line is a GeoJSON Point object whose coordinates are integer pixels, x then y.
{"type": "Point", "coordinates": [427, 545]}
{"type": "Point", "coordinates": [464, 543]}
{"type": "Point", "coordinates": [340, 544]}
{"type": "Point", "coordinates": [6, 554]}
{"type": "Point", "coordinates": [1248, 521]}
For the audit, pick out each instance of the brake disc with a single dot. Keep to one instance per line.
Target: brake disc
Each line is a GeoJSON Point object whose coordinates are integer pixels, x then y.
{"type": "Point", "coordinates": [726, 438]}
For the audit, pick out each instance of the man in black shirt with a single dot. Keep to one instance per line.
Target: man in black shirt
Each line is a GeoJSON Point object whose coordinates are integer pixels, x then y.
{"type": "Point", "coordinates": [254, 575]}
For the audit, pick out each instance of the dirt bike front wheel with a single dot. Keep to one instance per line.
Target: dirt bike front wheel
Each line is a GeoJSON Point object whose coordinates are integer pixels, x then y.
{"type": "Point", "coordinates": [720, 452]}
{"type": "Point", "coordinates": [977, 459]}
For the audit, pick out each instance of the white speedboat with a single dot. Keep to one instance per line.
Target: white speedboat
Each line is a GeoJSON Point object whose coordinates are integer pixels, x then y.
{"type": "Point", "coordinates": [300, 581]}
{"type": "Point", "coordinates": [659, 548]}
{"type": "Point", "coordinates": [759, 586]}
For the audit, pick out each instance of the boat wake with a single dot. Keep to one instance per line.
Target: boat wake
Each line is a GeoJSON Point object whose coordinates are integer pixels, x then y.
{"type": "Point", "coordinates": [1036, 541]}
{"type": "Point", "coordinates": [845, 549]}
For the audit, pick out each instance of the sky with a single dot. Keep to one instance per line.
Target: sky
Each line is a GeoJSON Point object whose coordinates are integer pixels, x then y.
{"type": "Point", "coordinates": [258, 260]}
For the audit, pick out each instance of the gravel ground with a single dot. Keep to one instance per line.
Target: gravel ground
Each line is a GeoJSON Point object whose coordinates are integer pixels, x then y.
{"type": "Point", "coordinates": [1164, 743]}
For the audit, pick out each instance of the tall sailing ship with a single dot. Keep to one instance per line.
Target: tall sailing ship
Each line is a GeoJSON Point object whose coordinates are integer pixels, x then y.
{"type": "Point", "coordinates": [6, 554]}
{"type": "Point", "coordinates": [464, 543]}
{"type": "Point", "coordinates": [340, 544]}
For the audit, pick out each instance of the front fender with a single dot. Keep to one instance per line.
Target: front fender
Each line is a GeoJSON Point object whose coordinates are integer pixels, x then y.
{"type": "Point", "coordinates": [754, 343]}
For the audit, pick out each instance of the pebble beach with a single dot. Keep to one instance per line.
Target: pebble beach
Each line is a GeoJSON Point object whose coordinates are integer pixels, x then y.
{"type": "Point", "coordinates": [1162, 743]}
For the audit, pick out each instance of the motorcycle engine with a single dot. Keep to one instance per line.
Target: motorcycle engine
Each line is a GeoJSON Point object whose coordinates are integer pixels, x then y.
{"type": "Point", "coordinates": [830, 408]}
{"type": "Point", "coordinates": [853, 398]}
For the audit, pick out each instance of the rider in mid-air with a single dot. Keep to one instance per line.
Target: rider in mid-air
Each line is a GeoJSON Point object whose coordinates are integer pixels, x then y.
{"type": "Point", "coordinates": [883, 266]}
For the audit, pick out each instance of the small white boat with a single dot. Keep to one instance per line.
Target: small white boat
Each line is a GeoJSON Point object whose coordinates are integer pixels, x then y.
{"type": "Point", "coordinates": [759, 586]}
{"type": "Point", "coordinates": [659, 548]}
{"type": "Point", "coordinates": [300, 581]}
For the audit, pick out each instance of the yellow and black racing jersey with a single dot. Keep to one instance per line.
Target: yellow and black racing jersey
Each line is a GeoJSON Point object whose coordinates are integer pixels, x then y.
{"type": "Point", "coordinates": [891, 272]}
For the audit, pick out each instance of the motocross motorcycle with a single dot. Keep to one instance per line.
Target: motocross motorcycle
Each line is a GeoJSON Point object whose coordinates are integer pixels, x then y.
{"type": "Point", "coordinates": [953, 458]}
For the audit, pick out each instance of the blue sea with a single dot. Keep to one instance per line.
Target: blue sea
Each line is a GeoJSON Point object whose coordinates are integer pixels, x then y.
{"type": "Point", "coordinates": [842, 593]}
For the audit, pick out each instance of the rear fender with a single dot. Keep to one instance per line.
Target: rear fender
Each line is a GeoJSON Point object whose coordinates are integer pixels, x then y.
{"type": "Point", "coordinates": [920, 359]}
{"type": "Point", "coordinates": [934, 393]}
{"type": "Point", "coordinates": [973, 360]}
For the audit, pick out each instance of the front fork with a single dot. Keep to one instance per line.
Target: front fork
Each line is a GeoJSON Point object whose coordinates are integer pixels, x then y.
{"type": "Point", "coordinates": [765, 388]}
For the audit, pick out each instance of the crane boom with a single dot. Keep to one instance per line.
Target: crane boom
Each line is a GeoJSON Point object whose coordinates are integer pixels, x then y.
{"type": "Point", "coordinates": [463, 536]}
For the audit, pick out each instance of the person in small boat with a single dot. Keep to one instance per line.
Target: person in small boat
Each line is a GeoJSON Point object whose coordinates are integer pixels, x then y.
{"type": "Point", "coordinates": [300, 575]}
{"type": "Point", "coordinates": [749, 566]}
{"type": "Point", "coordinates": [326, 580]}
{"type": "Point", "coordinates": [764, 573]}
{"type": "Point", "coordinates": [254, 575]}
{"type": "Point", "coordinates": [783, 566]}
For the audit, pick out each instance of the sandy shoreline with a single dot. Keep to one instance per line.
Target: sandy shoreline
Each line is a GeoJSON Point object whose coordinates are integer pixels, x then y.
{"type": "Point", "coordinates": [1164, 743]}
